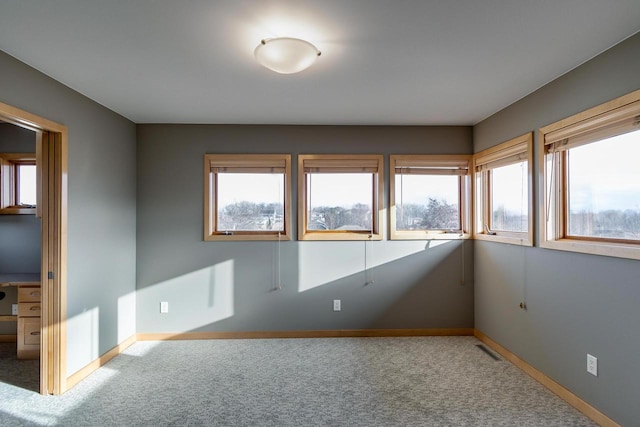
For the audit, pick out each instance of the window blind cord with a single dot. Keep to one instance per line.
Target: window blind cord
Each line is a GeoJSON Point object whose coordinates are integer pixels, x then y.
{"type": "Point", "coordinates": [523, 182]}
{"type": "Point", "coordinates": [368, 276]}
{"type": "Point", "coordinates": [308, 209]}
{"type": "Point", "coordinates": [274, 267]}
{"type": "Point", "coordinates": [279, 241]}
{"type": "Point", "coordinates": [366, 273]}
{"type": "Point", "coordinates": [523, 304]}
{"type": "Point", "coordinates": [524, 255]}
{"type": "Point", "coordinates": [462, 253]}
{"type": "Point", "coordinates": [551, 177]}
{"type": "Point", "coordinates": [401, 199]}
{"type": "Point", "coordinates": [279, 282]}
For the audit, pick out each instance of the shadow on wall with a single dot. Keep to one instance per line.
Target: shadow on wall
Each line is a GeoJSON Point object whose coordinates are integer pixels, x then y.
{"type": "Point", "coordinates": [381, 285]}
{"type": "Point", "coordinates": [403, 284]}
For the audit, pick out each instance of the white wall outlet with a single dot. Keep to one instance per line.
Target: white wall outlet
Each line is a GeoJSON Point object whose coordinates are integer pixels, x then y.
{"type": "Point", "coordinates": [592, 365]}
{"type": "Point", "coordinates": [164, 307]}
{"type": "Point", "coordinates": [14, 309]}
{"type": "Point", "coordinates": [337, 305]}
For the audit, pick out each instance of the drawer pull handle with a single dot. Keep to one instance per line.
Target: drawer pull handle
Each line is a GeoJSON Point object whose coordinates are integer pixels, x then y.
{"type": "Point", "coordinates": [35, 308]}
{"type": "Point", "coordinates": [34, 294]}
{"type": "Point", "coordinates": [35, 333]}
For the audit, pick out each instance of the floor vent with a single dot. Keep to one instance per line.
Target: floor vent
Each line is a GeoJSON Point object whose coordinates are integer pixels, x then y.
{"type": "Point", "coordinates": [486, 350]}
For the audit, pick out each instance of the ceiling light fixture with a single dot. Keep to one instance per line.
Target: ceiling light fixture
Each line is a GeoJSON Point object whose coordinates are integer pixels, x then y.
{"type": "Point", "coordinates": [286, 55]}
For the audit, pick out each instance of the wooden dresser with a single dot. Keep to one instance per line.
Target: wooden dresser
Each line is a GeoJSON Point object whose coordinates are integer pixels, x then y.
{"type": "Point", "coordinates": [29, 321]}
{"type": "Point", "coordinates": [29, 307]}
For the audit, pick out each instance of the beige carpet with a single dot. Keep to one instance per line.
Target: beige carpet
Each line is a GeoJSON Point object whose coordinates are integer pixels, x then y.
{"type": "Point", "coordinates": [425, 381]}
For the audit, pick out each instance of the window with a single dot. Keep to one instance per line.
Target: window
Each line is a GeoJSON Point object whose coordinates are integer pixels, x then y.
{"type": "Point", "coordinates": [18, 183]}
{"type": "Point", "coordinates": [503, 192]}
{"type": "Point", "coordinates": [340, 197]}
{"type": "Point", "coordinates": [247, 196]}
{"type": "Point", "coordinates": [592, 181]}
{"type": "Point", "coordinates": [429, 196]}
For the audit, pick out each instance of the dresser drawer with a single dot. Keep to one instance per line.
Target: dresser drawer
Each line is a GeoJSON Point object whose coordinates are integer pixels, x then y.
{"type": "Point", "coordinates": [32, 332]}
{"type": "Point", "coordinates": [28, 338]}
{"type": "Point", "coordinates": [29, 309]}
{"type": "Point", "coordinates": [29, 294]}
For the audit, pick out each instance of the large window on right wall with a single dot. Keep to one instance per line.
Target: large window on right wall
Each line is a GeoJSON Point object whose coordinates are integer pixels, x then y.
{"type": "Point", "coordinates": [589, 163]}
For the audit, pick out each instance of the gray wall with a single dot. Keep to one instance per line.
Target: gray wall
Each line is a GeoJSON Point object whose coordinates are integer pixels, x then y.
{"type": "Point", "coordinates": [101, 215]}
{"type": "Point", "coordinates": [577, 304]}
{"type": "Point", "coordinates": [19, 234]}
{"type": "Point", "coordinates": [14, 139]}
{"type": "Point", "coordinates": [228, 286]}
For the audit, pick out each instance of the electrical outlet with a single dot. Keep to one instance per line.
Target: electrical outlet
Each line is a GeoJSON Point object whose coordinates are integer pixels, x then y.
{"type": "Point", "coordinates": [164, 307]}
{"type": "Point", "coordinates": [336, 305]}
{"type": "Point", "coordinates": [14, 309]}
{"type": "Point", "coordinates": [592, 365]}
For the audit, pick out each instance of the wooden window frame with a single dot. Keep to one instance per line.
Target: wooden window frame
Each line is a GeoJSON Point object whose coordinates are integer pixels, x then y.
{"type": "Point", "coordinates": [504, 154]}
{"type": "Point", "coordinates": [585, 127]}
{"type": "Point", "coordinates": [9, 185]}
{"type": "Point", "coordinates": [265, 161]}
{"type": "Point", "coordinates": [346, 162]}
{"type": "Point", "coordinates": [464, 195]}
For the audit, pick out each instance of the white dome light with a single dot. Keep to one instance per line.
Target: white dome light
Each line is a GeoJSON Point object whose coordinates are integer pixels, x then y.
{"type": "Point", "coordinates": [286, 55]}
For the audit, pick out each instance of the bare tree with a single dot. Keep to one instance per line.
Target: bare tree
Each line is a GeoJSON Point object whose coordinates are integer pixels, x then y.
{"type": "Point", "coordinates": [440, 215]}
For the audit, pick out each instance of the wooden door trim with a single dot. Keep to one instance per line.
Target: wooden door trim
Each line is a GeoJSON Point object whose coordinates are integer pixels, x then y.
{"type": "Point", "coordinates": [52, 140]}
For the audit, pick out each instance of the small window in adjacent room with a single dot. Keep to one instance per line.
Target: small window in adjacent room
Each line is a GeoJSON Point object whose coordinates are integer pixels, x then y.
{"type": "Point", "coordinates": [18, 183]}
{"type": "Point", "coordinates": [592, 180]}
{"type": "Point", "coordinates": [429, 196]}
{"type": "Point", "coordinates": [339, 197]}
{"type": "Point", "coordinates": [503, 192]}
{"type": "Point", "coordinates": [247, 196]}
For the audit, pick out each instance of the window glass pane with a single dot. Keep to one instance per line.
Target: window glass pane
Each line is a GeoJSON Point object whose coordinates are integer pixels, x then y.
{"type": "Point", "coordinates": [427, 202]}
{"type": "Point", "coordinates": [509, 196]}
{"type": "Point", "coordinates": [250, 201]}
{"type": "Point", "coordinates": [604, 188]}
{"type": "Point", "coordinates": [26, 185]}
{"type": "Point", "coordinates": [339, 201]}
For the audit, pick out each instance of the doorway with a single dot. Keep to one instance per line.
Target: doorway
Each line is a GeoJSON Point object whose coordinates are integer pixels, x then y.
{"type": "Point", "coordinates": [51, 165]}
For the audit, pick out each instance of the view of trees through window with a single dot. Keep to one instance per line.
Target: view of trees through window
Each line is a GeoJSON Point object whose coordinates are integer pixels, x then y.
{"type": "Point", "coordinates": [250, 201]}
{"type": "Point", "coordinates": [340, 201]}
{"type": "Point", "coordinates": [604, 188]}
{"type": "Point", "coordinates": [509, 194]}
{"type": "Point", "coordinates": [427, 202]}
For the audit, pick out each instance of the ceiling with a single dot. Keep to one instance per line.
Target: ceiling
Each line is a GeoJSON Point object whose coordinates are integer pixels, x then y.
{"type": "Point", "coordinates": [402, 62]}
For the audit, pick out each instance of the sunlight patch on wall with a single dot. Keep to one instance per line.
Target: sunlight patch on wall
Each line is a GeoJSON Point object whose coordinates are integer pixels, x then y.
{"type": "Point", "coordinates": [195, 299]}
{"type": "Point", "coordinates": [83, 339]}
{"type": "Point", "coordinates": [221, 289]}
{"type": "Point", "coordinates": [126, 316]}
{"type": "Point", "coordinates": [320, 264]}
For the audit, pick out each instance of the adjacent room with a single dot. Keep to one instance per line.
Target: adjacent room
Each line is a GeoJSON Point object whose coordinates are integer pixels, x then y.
{"type": "Point", "coordinates": [320, 213]}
